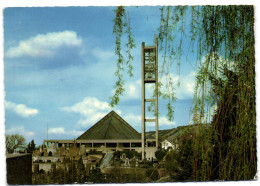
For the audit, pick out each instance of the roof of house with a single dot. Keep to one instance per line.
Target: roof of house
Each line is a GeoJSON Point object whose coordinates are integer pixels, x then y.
{"type": "Point", "coordinates": [186, 131]}
{"type": "Point", "coordinates": [112, 126]}
{"type": "Point", "coordinates": [167, 141]}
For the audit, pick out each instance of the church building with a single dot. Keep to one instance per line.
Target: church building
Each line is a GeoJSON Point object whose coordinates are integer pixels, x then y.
{"type": "Point", "coordinates": [111, 133]}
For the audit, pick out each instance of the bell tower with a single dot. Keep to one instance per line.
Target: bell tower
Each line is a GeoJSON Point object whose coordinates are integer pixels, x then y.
{"type": "Point", "coordinates": [149, 76]}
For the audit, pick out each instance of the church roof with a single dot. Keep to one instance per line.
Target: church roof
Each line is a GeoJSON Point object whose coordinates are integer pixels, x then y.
{"type": "Point", "coordinates": [112, 126]}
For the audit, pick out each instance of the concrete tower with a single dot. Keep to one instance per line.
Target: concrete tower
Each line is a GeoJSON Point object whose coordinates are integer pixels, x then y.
{"type": "Point", "coordinates": [149, 75]}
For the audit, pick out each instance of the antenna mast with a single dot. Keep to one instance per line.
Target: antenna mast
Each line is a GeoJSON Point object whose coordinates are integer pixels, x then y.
{"type": "Point", "coordinates": [47, 130]}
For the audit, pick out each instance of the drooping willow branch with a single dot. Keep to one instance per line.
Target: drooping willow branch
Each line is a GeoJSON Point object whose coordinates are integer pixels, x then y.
{"type": "Point", "coordinates": [121, 24]}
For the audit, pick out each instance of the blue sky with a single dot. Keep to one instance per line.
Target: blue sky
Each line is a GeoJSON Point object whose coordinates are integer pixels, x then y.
{"type": "Point", "coordinates": [59, 66]}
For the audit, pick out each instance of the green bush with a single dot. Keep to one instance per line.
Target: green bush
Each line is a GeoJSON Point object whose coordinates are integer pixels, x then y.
{"type": "Point", "coordinates": [92, 152]}
{"type": "Point", "coordinates": [152, 173]}
{"type": "Point", "coordinates": [117, 154]}
{"type": "Point", "coordinates": [96, 176]}
{"type": "Point", "coordinates": [159, 154]}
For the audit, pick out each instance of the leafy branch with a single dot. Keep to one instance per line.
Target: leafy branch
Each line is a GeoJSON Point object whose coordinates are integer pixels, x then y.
{"type": "Point", "coordinates": [122, 22]}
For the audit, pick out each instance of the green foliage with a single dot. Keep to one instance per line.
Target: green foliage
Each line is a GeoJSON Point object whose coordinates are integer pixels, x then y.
{"type": "Point", "coordinates": [53, 174]}
{"type": "Point", "coordinates": [81, 171]}
{"type": "Point", "coordinates": [96, 176]}
{"type": "Point", "coordinates": [146, 164]}
{"type": "Point", "coordinates": [70, 172]}
{"type": "Point", "coordinates": [159, 154]}
{"type": "Point", "coordinates": [126, 175]}
{"type": "Point", "coordinates": [138, 155]}
{"type": "Point", "coordinates": [121, 22]}
{"type": "Point", "coordinates": [180, 163]}
{"type": "Point", "coordinates": [116, 175]}
{"type": "Point", "coordinates": [13, 142]}
{"type": "Point", "coordinates": [60, 176]}
{"type": "Point", "coordinates": [130, 154]}
{"type": "Point", "coordinates": [152, 173]}
{"type": "Point", "coordinates": [117, 154]}
{"type": "Point", "coordinates": [172, 26]}
{"type": "Point", "coordinates": [93, 152]}
{"type": "Point", "coordinates": [31, 147]}
{"type": "Point", "coordinates": [226, 78]}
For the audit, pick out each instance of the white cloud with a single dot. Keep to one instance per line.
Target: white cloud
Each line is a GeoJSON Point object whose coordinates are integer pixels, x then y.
{"type": "Point", "coordinates": [163, 121]}
{"type": "Point", "coordinates": [59, 130]}
{"type": "Point", "coordinates": [87, 106]}
{"type": "Point", "coordinates": [44, 45]}
{"type": "Point", "coordinates": [135, 120]}
{"type": "Point", "coordinates": [91, 119]}
{"type": "Point", "coordinates": [21, 109]}
{"type": "Point", "coordinates": [187, 85]}
{"type": "Point", "coordinates": [75, 132]}
{"type": "Point", "coordinates": [20, 130]}
{"type": "Point", "coordinates": [103, 55]}
{"type": "Point", "coordinates": [91, 109]}
{"type": "Point", "coordinates": [185, 91]}
{"type": "Point", "coordinates": [133, 90]}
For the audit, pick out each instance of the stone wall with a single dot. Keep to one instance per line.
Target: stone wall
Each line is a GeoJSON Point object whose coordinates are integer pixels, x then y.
{"type": "Point", "coordinates": [45, 166]}
{"type": "Point", "coordinates": [44, 159]}
{"type": "Point", "coordinates": [19, 169]}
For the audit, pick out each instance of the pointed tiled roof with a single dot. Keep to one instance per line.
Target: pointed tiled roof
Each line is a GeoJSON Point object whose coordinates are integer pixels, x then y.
{"type": "Point", "coordinates": [112, 126]}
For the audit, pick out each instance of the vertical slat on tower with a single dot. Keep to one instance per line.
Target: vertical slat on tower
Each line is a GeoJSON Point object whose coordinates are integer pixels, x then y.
{"type": "Point", "coordinates": [156, 88]}
{"type": "Point", "coordinates": [143, 104]}
{"type": "Point", "coordinates": [151, 69]}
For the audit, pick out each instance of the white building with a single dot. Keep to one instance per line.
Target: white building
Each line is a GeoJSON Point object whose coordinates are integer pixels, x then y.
{"type": "Point", "coordinates": [167, 144]}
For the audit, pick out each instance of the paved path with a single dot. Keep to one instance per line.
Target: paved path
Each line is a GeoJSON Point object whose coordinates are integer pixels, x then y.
{"type": "Point", "coordinates": [107, 158]}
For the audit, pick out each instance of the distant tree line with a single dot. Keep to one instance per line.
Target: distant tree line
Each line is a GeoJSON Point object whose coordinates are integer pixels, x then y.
{"type": "Point", "coordinates": [17, 142]}
{"type": "Point", "coordinates": [13, 142]}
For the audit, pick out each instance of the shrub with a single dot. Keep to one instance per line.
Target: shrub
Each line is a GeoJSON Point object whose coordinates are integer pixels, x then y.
{"type": "Point", "coordinates": [152, 173]}
{"type": "Point", "coordinates": [159, 154]}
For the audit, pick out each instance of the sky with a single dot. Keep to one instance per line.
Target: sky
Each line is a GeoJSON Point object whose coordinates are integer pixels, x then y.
{"type": "Point", "coordinates": [59, 65]}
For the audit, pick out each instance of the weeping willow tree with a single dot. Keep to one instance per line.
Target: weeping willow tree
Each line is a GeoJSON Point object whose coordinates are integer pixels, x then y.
{"type": "Point", "coordinates": [226, 81]}
{"type": "Point", "coordinates": [222, 38]}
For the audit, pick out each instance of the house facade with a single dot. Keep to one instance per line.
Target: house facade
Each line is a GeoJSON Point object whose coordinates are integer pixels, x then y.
{"type": "Point", "coordinates": [168, 145]}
